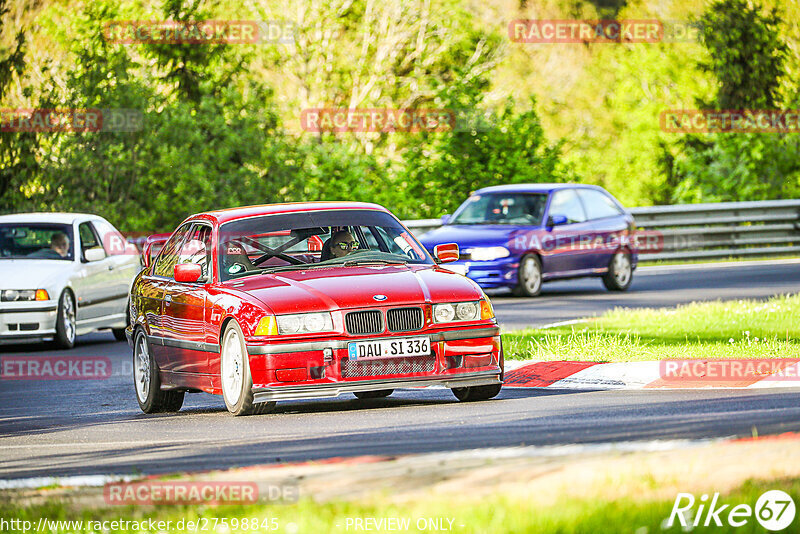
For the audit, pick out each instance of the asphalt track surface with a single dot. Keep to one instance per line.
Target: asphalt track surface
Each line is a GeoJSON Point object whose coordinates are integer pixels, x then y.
{"type": "Point", "coordinates": [62, 428]}
{"type": "Point", "coordinates": [652, 287]}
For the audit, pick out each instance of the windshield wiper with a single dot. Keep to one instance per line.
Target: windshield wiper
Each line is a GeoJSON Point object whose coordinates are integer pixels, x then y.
{"type": "Point", "coordinates": [269, 270]}
{"type": "Point", "coordinates": [352, 263]}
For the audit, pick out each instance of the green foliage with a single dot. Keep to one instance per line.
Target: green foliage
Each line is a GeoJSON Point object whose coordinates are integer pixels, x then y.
{"type": "Point", "coordinates": [748, 55]}
{"type": "Point", "coordinates": [220, 122]}
{"type": "Point", "coordinates": [447, 166]}
{"type": "Point", "coordinates": [17, 150]}
{"type": "Point", "coordinates": [199, 147]}
{"type": "Point", "coordinates": [740, 167]}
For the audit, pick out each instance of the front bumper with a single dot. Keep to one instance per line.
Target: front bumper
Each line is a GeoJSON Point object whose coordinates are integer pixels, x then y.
{"type": "Point", "coordinates": [27, 320]}
{"type": "Point", "coordinates": [312, 369]}
{"type": "Point", "coordinates": [331, 390]}
{"type": "Point", "coordinates": [489, 274]}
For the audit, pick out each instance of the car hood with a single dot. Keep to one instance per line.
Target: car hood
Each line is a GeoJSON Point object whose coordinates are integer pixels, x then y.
{"type": "Point", "coordinates": [475, 235]}
{"type": "Point", "coordinates": [355, 287]}
{"type": "Point", "coordinates": [32, 274]}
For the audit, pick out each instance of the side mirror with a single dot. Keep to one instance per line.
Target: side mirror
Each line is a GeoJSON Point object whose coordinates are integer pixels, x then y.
{"type": "Point", "coordinates": [446, 253]}
{"type": "Point", "coordinates": [556, 220]}
{"type": "Point", "coordinates": [446, 218]}
{"type": "Point", "coordinates": [187, 272]}
{"type": "Point", "coordinates": [94, 254]}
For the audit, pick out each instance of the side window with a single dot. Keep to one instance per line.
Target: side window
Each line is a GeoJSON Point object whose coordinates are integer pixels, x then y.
{"type": "Point", "coordinates": [598, 205]}
{"type": "Point", "coordinates": [113, 242]}
{"type": "Point", "coordinates": [369, 237]}
{"type": "Point", "coordinates": [88, 237]}
{"type": "Point", "coordinates": [165, 264]}
{"type": "Point", "coordinates": [197, 247]}
{"type": "Point", "coordinates": [567, 203]}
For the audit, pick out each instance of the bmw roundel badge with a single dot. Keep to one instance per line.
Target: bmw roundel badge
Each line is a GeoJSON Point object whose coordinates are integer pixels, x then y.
{"type": "Point", "coordinates": [380, 298]}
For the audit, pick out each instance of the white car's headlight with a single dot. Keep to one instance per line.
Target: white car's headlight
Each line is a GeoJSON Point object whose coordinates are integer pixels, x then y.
{"type": "Point", "coordinates": [305, 323]}
{"type": "Point", "coordinates": [460, 311]}
{"type": "Point", "coordinates": [22, 295]}
{"type": "Point", "coordinates": [488, 253]}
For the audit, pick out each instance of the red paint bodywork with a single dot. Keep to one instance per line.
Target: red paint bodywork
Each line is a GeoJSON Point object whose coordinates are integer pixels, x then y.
{"type": "Point", "coordinates": [197, 313]}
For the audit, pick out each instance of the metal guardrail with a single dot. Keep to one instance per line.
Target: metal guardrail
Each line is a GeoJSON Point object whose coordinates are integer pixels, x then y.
{"type": "Point", "coordinates": [700, 231]}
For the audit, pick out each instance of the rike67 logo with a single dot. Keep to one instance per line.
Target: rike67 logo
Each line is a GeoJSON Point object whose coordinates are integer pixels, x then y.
{"type": "Point", "coordinates": [774, 510]}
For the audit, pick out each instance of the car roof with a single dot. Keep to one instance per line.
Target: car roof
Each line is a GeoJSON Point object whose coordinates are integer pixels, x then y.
{"type": "Point", "coordinates": [533, 188]}
{"type": "Point", "coordinates": [232, 214]}
{"type": "Point", "coordinates": [46, 217]}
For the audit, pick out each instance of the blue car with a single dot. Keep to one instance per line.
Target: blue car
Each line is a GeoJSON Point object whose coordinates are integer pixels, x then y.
{"type": "Point", "coordinates": [519, 236]}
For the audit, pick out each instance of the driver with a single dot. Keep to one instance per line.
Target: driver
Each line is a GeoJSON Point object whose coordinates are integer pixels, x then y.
{"type": "Point", "coordinates": [60, 244]}
{"type": "Point", "coordinates": [340, 244]}
{"type": "Point", "coordinates": [59, 248]}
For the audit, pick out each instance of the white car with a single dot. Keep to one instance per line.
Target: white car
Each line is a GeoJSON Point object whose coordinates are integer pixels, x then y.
{"type": "Point", "coordinates": [63, 275]}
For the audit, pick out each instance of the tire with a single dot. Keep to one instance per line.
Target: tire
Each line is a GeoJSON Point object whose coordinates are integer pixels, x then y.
{"type": "Point", "coordinates": [620, 272]}
{"type": "Point", "coordinates": [529, 277]}
{"type": "Point", "coordinates": [477, 393]}
{"type": "Point", "coordinates": [235, 378]}
{"type": "Point", "coordinates": [119, 333]}
{"type": "Point", "coordinates": [146, 382]}
{"type": "Point", "coordinates": [374, 394]}
{"type": "Point", "coordinates": [66, 326]}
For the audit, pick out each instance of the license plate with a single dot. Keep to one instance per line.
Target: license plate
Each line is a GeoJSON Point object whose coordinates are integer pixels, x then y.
{"type": "Point", "coordinates": [389, 348]}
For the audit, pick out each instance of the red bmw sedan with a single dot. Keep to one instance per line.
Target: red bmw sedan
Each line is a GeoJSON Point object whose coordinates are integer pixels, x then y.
{"type": "Point", "coordinates": [307, 300]}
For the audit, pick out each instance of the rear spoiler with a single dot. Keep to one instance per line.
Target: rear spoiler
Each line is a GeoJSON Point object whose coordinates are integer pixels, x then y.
{"type": "Point", "coordinates": [152, 246]}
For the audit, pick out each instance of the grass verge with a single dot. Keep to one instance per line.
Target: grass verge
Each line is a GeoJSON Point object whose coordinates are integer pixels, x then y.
{"type": "Point", "coordinates": [707, 330]}
{"type": "Point", "coordinates": [494, 514]}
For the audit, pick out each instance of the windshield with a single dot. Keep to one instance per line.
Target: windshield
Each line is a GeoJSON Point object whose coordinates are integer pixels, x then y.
{"type": "Point", "coordinates": [501, 208]}
{"type": "Point", "coordinates": [295, 241]}
{"type": "Point", "coordinates": [36, 241]}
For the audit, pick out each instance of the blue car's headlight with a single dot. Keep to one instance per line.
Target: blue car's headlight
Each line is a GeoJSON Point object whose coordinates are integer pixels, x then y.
{"type": "Point", "coordinates": [488, 253]}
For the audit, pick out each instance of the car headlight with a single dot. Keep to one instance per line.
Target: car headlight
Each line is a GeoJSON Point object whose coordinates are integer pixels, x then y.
{"type": "Point", "coordinates": [304, 323]}
{"type": "Point", "coordinates": [488, 253]}
{"type": "Point", "coordinates": [22, 295]}
{"type": "Point", "coordinates": [457, 311]}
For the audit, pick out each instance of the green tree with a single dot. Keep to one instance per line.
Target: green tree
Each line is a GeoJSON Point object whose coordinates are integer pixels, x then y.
{"type": "Point", "coordinates": [747, 55]}
{"type": "Point", "coordinates": [509, 147]}
{"type": "Point", "coordinates": [206, 140]}
{"type": "Point", "coordinates": [17, 149]}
